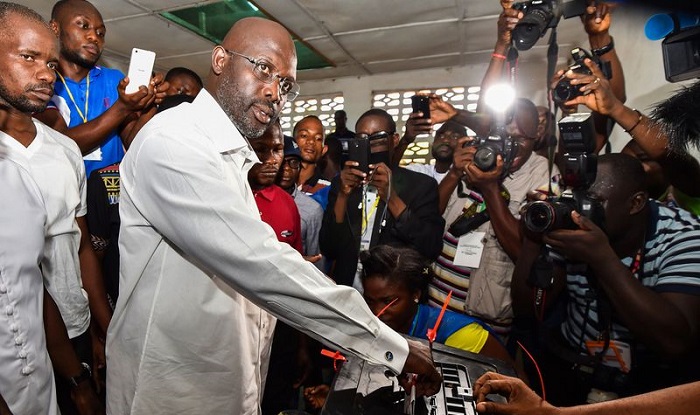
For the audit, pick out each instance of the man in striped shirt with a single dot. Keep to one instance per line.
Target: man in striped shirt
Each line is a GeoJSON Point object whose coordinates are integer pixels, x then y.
{"type": "Point", "coordinates": [633, 312]}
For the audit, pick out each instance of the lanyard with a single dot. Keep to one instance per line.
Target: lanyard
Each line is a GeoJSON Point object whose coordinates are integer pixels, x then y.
{"type": "Point", "coordinates": [83, 116]}
{"type": "Point", "coordinates": [366, 217]}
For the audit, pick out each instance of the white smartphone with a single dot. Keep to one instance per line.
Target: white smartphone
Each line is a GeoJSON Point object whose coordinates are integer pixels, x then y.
{"type": "Point", "coordinates": [140, 69]}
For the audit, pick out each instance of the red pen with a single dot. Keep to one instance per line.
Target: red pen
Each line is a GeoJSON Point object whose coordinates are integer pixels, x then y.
{"type": "Point", "coordinates": [432, 333]}
{"type": "Point", "coordinates": [386, 307]}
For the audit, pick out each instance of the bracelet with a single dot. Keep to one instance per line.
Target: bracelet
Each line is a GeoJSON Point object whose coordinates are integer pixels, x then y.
{"type": "Point", "coordinates": [629, 130]}
{"type": "Point", "coordinates": [85, 375]}
{"type": "Point", "coordinates": [605, 49]}
{"type": "Point", "coordinates": [498, 56]}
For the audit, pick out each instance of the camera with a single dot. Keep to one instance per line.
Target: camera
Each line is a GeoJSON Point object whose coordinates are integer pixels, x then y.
{"type": "Point", "coordinates": [564, 91]}
{"type": "Point", "coordinates": [488, 149]}
{"type": "Point", "coordinates": [540, 15]}
{"type": "Point", "coordinates": [580, 163]}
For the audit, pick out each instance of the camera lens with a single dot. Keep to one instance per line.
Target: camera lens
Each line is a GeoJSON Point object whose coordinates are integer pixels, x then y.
{"type": "Point", "coordinates": [564, 91]}
{"type": "Point", "coordinates": [485, 157]}
{"type": "Point", "coordinates": [543, 216]}
{"type": "Point", "coordinates": [539, 216]}
{"type": "Point", "coordinates": [530, 28]}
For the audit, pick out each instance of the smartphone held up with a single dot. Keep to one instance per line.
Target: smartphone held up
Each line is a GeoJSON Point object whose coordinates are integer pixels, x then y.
{"type": "Point", "coordinates": [421, 103]}
{"type": "Point", "coordinates": [358, 150]}
{"type": "Point", "coordinates": [140, 69]}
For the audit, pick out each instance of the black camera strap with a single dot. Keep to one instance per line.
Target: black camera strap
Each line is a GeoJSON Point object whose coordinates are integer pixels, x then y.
{"type": "Point", "coordinates": [552, 57]}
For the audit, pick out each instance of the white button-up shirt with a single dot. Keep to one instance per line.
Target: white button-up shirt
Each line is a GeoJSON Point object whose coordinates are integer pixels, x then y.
{"type": "Point", "coordinates": [56, 165]}
{"type": "Point", "coordinates": [26, 377]}
{"type": "Point", "coordinates": [197, 262]}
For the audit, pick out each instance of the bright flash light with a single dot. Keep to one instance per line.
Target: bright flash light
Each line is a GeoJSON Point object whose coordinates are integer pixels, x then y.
{"type": "Point", "coordinates": [499, 97]}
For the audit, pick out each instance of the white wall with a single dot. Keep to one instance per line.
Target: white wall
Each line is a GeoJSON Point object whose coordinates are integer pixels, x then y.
{"type": "Point", "coordinates": [641, 60]}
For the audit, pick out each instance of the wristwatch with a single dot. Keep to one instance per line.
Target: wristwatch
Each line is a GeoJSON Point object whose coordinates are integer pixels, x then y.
{"type": "Point", "coordinates": [605, 49]}
{"type": "Point", "coordinates": [85, 374]}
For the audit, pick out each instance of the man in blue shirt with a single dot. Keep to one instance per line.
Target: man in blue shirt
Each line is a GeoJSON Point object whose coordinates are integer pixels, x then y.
{"type": "Point", "coordinates": [90, 104]}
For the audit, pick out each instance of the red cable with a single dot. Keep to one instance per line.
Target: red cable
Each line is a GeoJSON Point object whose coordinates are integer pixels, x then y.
{"type": "Point", "coordinates": [539, 373]}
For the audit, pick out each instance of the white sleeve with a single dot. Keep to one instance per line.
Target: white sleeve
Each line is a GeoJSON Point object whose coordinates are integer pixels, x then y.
{"type": "Point", "coordinates": [184, 192]}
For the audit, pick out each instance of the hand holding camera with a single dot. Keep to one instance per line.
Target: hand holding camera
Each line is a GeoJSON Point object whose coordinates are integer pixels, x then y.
{"type": "Point", "coordinates": [596, 20]}
{"type": "Point", "coordinates": [507, 21]}
{"type": "Point", "coordinates": [585, 83]}
{"type": "Point", "coordinates": [464, 164]}
{"type": "Point", "coordinates": [586, 243]}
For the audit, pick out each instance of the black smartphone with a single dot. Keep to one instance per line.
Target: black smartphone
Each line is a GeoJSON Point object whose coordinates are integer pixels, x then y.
{"type": "Point", "coordinates": [358, 150]}
{"type": "Point", "coordinates": [421, 103]}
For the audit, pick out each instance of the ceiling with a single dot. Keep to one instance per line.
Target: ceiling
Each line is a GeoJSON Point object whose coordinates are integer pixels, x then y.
{"type": "Point", "coordinates": [360, 37]}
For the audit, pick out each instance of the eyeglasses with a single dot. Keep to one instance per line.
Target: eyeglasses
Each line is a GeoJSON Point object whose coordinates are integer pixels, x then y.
{"type": "Point", "coordinates": [293, 163]}
{"type": "Point", "coordinates": [379, 135]}
{"type": "Point", "coordinates": [267, 73]}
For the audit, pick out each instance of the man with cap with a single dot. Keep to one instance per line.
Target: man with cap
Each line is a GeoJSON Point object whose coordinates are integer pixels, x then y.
{"type": "Point", "coordinates": [310, 211]}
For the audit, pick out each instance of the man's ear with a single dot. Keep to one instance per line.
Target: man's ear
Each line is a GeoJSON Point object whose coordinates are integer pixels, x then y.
{"type": "Point", "coordinates": [218, 59]}
{"type": "Point", "coordinates": [639, 201]}
{"type": "Point", "coordinates": [325, 149]}
{"type": "Point", "coordinates": [54, 26]}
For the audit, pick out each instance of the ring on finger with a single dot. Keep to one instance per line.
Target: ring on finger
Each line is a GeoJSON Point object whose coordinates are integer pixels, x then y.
{"type": "Point", "coordinates": [596, 80]}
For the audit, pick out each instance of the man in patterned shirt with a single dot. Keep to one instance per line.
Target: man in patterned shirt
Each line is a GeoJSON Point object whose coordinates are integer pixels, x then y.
{"type": "Point", "coordinates": [633, 287]}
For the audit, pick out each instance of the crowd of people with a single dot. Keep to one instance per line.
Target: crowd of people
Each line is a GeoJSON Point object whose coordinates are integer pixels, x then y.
{"type": "Point", "coordinates": [193, 258]}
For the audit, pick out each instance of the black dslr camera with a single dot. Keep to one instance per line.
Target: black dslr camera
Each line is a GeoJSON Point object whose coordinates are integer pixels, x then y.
{"type": "Point", "coordinates": [580, 164]}
{"type": "Point", "coordinates": [564, 91]}
{"type": "Point", "coordinates": [540, 15]}
{"type": "Point", "coordinates": [488, 149]}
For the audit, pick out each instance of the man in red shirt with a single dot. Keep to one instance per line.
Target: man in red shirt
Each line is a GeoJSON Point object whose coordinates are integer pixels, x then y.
{"type": "Point", "coordinates": [277, 208]}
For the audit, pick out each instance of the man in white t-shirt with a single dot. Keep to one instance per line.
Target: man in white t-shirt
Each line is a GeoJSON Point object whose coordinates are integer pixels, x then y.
{"type": "Point", "coordinates": [28, 57]}
{"type": "Point", "coordinates": [443, 150]}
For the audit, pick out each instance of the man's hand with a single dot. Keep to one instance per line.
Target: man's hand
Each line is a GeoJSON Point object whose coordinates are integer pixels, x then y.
{"type": "Point", "coordinates": [588, 244]}
{"type": "Point", "coordinates": [483, 180]}
{"type": "Point", "coordinates": [416, 125]}
{"type": "Point", "coordinates": [440, 110]}
{"type": "Point", "coordinates": [160, 87]}
{"type": "Point", "coordinates": [462, 156]}
{"type": "Point", "coordinates": [507, 21]}
{"type": "Point", "coordinates": [350, 177]}
{"type": "Point", "coordinates": [420, 362]}
{"type": "Point", "coordinates": [85, 400]}
{"type": "Point", "coordinates": [137, 101]}
{"type": "Point", "coordinates": [521, 399]}
{"type": "Point", "coordinates": [316, 395]}
{"type": "Point", "coordinates": [313, 258]}
{"type": "Point", "coordinates": [596, 20]}
{"type": "Point", "coordinates": [98, 357]}
{"type": "Point", "coordinates": [597, 94]}
{"type": "Point", "coordinates": [381, 179]}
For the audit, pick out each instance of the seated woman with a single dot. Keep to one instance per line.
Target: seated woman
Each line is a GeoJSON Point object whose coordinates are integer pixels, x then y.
{"type": "Point", "coordinates": [395, 282]}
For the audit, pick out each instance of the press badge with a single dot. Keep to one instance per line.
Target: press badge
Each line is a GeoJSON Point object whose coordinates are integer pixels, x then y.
{"type": "Point", "coordinates": [469, 249]}
{"type": "Point", "coordinates": [618, 354]}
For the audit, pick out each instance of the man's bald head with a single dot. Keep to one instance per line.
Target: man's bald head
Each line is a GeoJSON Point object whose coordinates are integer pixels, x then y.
{"type": "Point", "coordinates": [250, 99]}
{"type": "Point", "coordinates": [65, 8]}
{"type": "Point", "coordinates": [250, 31]}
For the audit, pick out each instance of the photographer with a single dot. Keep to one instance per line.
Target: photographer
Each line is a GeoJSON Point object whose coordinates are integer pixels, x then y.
{"type": "Point", "coordinates": [468, 193]}
{"type": "Point", "coordinates": [633, 284]}
{"type": "Point", "coordinates": [650, 141]}
{"type": "Point", "coordinates": [382, 206]}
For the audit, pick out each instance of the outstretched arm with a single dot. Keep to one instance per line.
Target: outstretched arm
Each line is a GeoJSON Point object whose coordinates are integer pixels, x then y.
{"type": "Point", "coordinates": [678, 400]}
